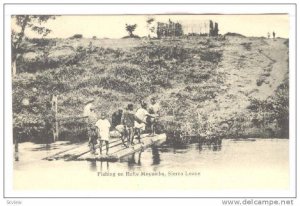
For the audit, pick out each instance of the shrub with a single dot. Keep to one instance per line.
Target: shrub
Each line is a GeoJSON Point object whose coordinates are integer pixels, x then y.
{"type": "Point", "coordinates": [116, 84]}
{"type": "Point", "coordinates": [247, 45]}
{"type": "Point", "coordinates": [234, 34]}
{"type": "Point", "coordinates": [274, 110]}
{"type": "Point", "coordinates": [211, 56]}
{"type": "Point", "coordinates": [76, 36]}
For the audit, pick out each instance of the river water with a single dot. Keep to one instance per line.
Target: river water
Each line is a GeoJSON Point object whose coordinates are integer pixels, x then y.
{"type": "Point", "coordinates": [255, 164]}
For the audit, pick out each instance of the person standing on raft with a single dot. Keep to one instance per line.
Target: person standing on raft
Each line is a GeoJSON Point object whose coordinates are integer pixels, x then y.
{"type": "Point", "coordinates": [103, 126]}
{"type": "Point", "coordinates": [89, 113]}
{"type": "Point", "coordinates": [140, 124]}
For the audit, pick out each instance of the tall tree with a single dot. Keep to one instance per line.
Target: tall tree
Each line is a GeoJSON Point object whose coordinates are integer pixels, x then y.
{"type": "Point", "coordinates": [150, 26]}
{"type": "Point", "coordinates": [23, 23]}
{"type": "Point", "coordinates": [130, 29]}
{"type": "Point", "coordinates": [216, 29]}
{"type": "Point", "coordinates": [211, 28]}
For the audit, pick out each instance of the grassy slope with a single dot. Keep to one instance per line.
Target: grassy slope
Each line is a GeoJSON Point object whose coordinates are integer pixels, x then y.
{"type": "Point", "coordinates": [252, 68]}
{"type": "Point", "coordinates": [200, 82]}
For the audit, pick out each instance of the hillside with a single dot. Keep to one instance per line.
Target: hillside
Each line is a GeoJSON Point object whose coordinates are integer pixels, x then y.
{"type": "Point", "coordinates": [229, 87]}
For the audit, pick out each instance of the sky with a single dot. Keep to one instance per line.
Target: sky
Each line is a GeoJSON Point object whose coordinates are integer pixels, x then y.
{"type": "Point", "coordinates": [113, 26]}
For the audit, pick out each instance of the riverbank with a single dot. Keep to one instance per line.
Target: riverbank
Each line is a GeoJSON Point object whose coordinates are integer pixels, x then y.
{"type": "Point", "coordinates": [229, 87]}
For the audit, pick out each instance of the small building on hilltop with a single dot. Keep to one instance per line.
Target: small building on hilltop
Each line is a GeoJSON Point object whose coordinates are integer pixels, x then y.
{"type": "Point", "coordinates": [170, 29]}
{"type": "Point", "coordinates": [191, 28]}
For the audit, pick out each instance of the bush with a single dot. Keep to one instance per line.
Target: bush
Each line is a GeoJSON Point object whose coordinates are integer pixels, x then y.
{"type": "Point", "coordinates": [274, 110]}
{"type": "Point", "coordinates": [234, 34]}
{"type": "Point", "coordinates": [41, 42]}
{"type": "Point", "coordinates": [76, 36]}
{"type": "Point", "coordinates": [211, 56]}
{"type": "Point", "coordinates": [133, 37]}
{"type": "Point", "coordinates": [116, 84]}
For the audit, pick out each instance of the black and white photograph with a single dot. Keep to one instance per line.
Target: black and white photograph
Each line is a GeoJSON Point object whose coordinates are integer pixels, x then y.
{"type": "Point", "coordinates": [151, 102]}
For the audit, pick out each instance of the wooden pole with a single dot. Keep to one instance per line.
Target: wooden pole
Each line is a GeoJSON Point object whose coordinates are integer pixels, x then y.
{"type": "Point", "coordinates": [55, 127]}
{"type": "Point", "coordinates": [17, 148]}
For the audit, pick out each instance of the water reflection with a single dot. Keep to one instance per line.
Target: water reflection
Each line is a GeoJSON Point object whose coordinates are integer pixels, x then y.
{"type": "Point", "coordinates": [93, 165]}
{"type": "Point", "coordinates": [103, 166]}
{"type": "Point", "coordinates": [16, 155]}
{"type": "Point", "coordinates": [134, 160]}
{"type": "Point", "coordinates": [155, 156]}
{"type": "Point", "coordinates": [214, 144]}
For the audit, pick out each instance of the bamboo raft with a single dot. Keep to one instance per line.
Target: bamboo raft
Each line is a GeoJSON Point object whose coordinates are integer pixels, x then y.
{"type": "Point", "coordinates": [116, 150]}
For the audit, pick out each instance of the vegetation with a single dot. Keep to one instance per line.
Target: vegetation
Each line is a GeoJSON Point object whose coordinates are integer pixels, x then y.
{"type": "Point", "coordinates": [273, 112]}
{"type": "Point", "coordinates": [23, 23]}
{"type": "Point", "coordinates": [234, 34]}
{"type": "Point", "coordinates": [150, 25]}
{"type": "Point", "coordinates": [76, 36]}
{"type": "Point", "coordinates": [183, 74]}
{"type": "Point", "coordinates": [130, 28]}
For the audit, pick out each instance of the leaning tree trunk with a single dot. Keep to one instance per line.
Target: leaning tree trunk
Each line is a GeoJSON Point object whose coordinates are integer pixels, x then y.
{"type": "Point", "coordinates": [16, 45]}
{"type": "Point", "coordinates": [14, 67]}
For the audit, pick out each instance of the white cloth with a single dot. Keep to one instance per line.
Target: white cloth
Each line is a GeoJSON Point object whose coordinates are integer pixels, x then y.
{"type": "Point", "coordinates": [141, 126]}
{"type": "Point", "coordinates": [103, 126]}
{"type": "Point", "coordinates": [120, 128]}
{"type": "Point", "coordinates": [142, 114]}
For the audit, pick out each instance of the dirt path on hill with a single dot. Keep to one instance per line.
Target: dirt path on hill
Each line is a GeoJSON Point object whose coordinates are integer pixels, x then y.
{"type": "Point", "coordinates": [252, 68]}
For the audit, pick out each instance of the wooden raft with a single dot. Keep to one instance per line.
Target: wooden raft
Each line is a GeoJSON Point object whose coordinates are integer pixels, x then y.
{"type": "Point", "coordinates": [116, 149]}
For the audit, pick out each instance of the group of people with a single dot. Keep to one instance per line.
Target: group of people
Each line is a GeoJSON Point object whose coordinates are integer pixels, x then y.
{"type": "Point", "coordinates": [128, 124]}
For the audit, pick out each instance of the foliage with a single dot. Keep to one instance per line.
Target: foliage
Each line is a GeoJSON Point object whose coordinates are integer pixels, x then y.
{"type": "Point", "coordinates": [130, 28]}
{"type": "Point", "coordinates": [274, 110]}
{"type": "Point", "coordinates": [76, 36]}
{"type": "Point", "coordinates": [49, 57]}
{"type": "Point", "coordinates": [150, 26]}
{"type": "Point", "coordinates": [182, 75]}
{"type": "Point", "coordinates": [32, 22]}
{"type": "Point", "coordinates": [213, 28]}
{"type": "Point", "coordinates": [234, 34]}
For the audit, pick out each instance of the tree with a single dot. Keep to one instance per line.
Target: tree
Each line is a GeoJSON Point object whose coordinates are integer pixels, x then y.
{"type": "Point", "coordinates": [178, 29]}
{"type": "Point", "coordinates": [150, 26]}
{"type": "Point", "coordinates": [130, 29]}
{"type": "Point", "coordinates": [216, 29]}
{"type": "Point", "coordinates": [23, 22]}
{"type": "Point", "coordinates": [211, 28]}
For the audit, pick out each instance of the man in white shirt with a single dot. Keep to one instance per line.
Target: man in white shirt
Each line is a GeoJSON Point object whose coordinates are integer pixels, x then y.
{"type": "Point", "coordinates": [141, 114]}
{"type": "Point", "coordinates": [103, 126]}
{"type": "Point", "coordinates": [89, 112]}
{"type": "Point", "coordinates": [154, 109]}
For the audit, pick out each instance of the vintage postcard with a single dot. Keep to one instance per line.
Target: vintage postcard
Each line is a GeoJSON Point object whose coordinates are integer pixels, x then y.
{"type": "Point", "coordinates": [152, 102]}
